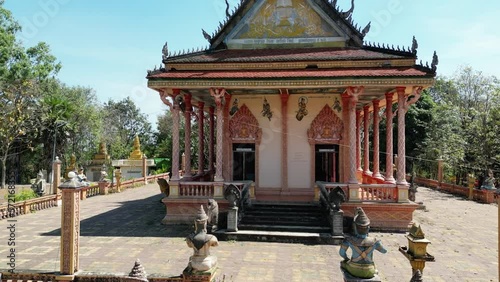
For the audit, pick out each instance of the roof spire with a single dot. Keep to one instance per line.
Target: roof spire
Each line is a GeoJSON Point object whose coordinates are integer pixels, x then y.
{"type": "Point", "coordinates": [348, 13]}
{"type": "Point", "coordinates": [206, 35]}
{"type": "Point", "coordinates": [366, 29]}
{"type": "Point", "coordinates": [435, 61]}
{"type": "Point", "coordinates": [164, 51]}
{"type": "Point", "coordinates": [414, 46]}
{"type": "Point", "coordinates": [227, 9]}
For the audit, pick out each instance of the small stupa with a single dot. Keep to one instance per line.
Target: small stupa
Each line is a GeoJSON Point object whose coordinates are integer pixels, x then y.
{"type": "Point", "coordinates": [96, 166]}
{"type": "Point", "coordinates": [133, 166]}
{"type": "Point", "coordinates": [136, 153]}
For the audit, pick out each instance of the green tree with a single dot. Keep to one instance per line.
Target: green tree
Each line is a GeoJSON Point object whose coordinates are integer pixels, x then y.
{"type": "Point", "coordinates": [122, 121]}
{"type": "Point", "coordinates": [21, 72]}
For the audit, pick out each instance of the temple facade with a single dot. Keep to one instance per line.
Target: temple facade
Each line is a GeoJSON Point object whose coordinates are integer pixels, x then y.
{"type": "Point", "coordinates": [289, 90]}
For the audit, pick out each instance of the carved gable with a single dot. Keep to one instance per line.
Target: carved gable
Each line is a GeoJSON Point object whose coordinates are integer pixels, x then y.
{"type": "Point", "coordinates": [284, 23]}
{"type": "Point", "coordinates": [244, 126]}
{"type": "Point", "coordinates": [326, 127]}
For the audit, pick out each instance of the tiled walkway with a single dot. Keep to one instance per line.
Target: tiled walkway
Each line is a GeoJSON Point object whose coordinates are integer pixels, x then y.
{"type": "Point", "coordinates": [119, 228]}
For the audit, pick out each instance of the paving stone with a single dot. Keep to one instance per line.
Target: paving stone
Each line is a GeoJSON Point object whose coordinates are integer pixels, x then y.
{"type": "Point", "coordinates": [119, 228]}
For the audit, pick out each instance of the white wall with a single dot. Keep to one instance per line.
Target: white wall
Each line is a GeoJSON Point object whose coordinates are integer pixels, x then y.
{"type": "Point", "coordinates": [269, 170]}
{"type": "Point", "coordinates": [299, 150]}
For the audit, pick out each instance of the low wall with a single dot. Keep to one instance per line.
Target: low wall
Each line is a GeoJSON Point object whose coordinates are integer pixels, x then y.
{"type": "Point", "coordinates": [483, 196]}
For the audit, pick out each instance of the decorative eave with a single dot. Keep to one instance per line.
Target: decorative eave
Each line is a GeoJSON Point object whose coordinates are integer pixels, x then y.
{"type": "Point", "coordinates": [343, 19]}
{"type": "Point", "coordinates": [277, 83]}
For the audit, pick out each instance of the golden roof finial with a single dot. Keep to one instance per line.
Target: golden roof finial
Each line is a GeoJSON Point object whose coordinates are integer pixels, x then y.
{"type": "Point", "coordinates": [136, 153]}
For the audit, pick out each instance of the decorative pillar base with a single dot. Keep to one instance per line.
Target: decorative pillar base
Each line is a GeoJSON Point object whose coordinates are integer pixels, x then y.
{"type": "Point", "coordinates": [354, 193]}
{"type": "Point", "coordinates": [191, 275]}
{"type": "Point", "coordinates": [174, 189]}
{"type": "Point", "coordinates": [232, 219]}
{"type": "Point", "coordinates": [218, 190]}
{"type": "Point", "coordinates": [403, 193]}
{"type": "Point", "coordinates": [104, 188]}
{"type": "Point", "coordinates": [349, 278]}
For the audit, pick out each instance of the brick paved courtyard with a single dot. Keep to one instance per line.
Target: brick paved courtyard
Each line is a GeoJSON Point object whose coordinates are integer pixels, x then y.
{"type": "Point", "coordinates": [119, 228]}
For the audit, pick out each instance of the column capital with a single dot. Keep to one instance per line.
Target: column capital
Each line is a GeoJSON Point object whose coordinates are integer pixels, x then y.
{"type": "Point", "coordinates": [376, 102]}
{"type": "Point", "coordinates": [389, 96]}
{"type": "Point", "coordinates": [201, 105]}
{"type": "Point", "coordinates": [401, 90]}
{"type": "Point", "coordinates": [164, 98]}
{"type": "Point", "coordinates": [187, 101]}
{"type": "Point", "coordinates": [218, 94]}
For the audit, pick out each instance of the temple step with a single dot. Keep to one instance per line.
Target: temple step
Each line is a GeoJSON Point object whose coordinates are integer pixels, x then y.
{"type": "Point", "coordinates": [280, 236]}
{"type": "Point", "coordinates": [284, 217]}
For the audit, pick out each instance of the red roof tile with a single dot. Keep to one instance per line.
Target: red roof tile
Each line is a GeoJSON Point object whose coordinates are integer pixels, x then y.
{"type": "Point", "coordinates": [285, 55]}
{"type": "Point", "coordinates": [269, 74]}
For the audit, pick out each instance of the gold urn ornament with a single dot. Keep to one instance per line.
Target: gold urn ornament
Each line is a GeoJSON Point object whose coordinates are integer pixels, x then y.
{"type": "Point", "coordinates": [416, 252]}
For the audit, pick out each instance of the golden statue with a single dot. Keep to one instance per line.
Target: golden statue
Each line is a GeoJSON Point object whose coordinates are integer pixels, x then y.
{"type": "Point", "coordinates": [71, 166]}
{"type": "Point", "coordinates": [136, 153]}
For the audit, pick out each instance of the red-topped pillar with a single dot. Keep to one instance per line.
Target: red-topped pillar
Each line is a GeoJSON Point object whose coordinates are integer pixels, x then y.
{"type": "Point", "coordinates": [358, 140]}
{"type": "Point", "coordinates": [376, 140]}
{"type": "Point", "coordinates": [201, 141]}
{"type": "Point", "coordinates": [389, 176]}
{"type": "Point", "coordinates": [366, 125]}
{"type": "Point", "coordinates": [218, 95]}
{"type": "Point", "coordinates": [187, 133]}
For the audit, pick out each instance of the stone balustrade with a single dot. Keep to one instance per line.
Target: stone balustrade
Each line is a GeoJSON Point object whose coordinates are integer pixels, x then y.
{"type": "Point", "coordinates": [483, 196]}
{"type": "Point", "coordinates": [196, 189]}
{"type": "Point", "coordinates": [50, 201]}
{"type": "Point", "coordinates": [28, 206]}
{"type": "Point", "coordinates": [386, 193]}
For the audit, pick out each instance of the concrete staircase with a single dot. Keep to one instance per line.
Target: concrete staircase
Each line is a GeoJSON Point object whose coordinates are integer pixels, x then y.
{"type": "Point", "coordinates": [282, 222]}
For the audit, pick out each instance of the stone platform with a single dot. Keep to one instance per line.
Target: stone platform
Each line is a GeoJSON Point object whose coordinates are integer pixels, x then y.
{"type": "Point", "coordinates": [119, 228]}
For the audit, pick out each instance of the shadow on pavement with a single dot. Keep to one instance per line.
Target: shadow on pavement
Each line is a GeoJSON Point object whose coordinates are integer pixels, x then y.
{"type": "Point", "coordinates": [136, 218]}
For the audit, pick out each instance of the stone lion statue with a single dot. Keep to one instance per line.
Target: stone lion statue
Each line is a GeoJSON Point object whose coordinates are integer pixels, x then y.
{"type": "Point", "coordinates": [213, 215]}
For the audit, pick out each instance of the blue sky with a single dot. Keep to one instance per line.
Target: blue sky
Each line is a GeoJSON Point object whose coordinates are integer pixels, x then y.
{"type": "Point", "coordinates": [108, 45]}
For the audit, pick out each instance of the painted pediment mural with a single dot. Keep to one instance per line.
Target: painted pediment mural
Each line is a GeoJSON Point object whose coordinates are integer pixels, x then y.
{"type": "Point", "coordinates": [285, 22]}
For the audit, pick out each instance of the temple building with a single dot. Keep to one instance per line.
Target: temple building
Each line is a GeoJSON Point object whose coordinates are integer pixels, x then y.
{"type": "Point", "coordinates": [289, 90]}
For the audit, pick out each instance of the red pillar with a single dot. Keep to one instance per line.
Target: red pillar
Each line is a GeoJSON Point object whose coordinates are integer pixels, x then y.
{"type": "Point", "coordinates": [366, 156]}
{"type": "Point", "coordinates": [401, 171]}
{"type": "Point", "coordinates": [284, 139]}
{"type": "Point", "coordinates": [376, 140]}
{"type": "Point", "coordinates": [187, 135]}
{"type": "Point", "coordinates": [211, 115]}
{"type": "Point", "coordinates": [358, 140]}
{"type": "Point", "coordinates": [201, 141]}
{"type": "Point", "coordinates": [345, 139]}
{"type": "Point", "coordinates": [218, 95]}
{"type": "Point", "coordinates": [389, 177]}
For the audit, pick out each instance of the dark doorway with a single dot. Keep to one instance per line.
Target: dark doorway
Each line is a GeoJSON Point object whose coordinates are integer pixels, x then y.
{"type": "Point", "coordinates": [244, 162]}
{"type": "Point", "coordinates": [327, 163]}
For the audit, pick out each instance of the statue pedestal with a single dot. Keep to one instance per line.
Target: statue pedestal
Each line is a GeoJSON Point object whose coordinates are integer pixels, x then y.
{"type": "Point", "coordinates": [349, 278]}
{"type": "Point", "coordinates": [337, 218]}
{"type": "Point", "coordinates": [232, 219]}
{"type": "Point", "coordinates": [104, 187]}
{"type": "Point", "coordinates": [191, 275]}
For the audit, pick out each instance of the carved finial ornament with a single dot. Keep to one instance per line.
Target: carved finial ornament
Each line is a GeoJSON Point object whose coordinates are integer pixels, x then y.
{"type": "Point", "coordinates": [206, 35]}
{"type": "Point", "coordinates": [365, 30]}
{"type": "Point", "coordinates": [414, 46]}
{"type": "Point", "coordinates": [435, 61]}
{"type": "Point", "coordinates": [164, 51]}
{"type": "Point", "coordinates": [227, 9]}
{"type": "Point", "coordinates": [348, 14]}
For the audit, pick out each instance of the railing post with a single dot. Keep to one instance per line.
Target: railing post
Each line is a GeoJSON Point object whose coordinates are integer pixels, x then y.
{"type": "Point", "coordinates": [402, 193]}
{"type": "Point", "coordinates": [174, 189]}
{"type": "Point", "coordinates": [354, 193]}
{"type": "Point", "coordinates": [316, 192]}
{"type": "Point", "coordinates": [440, 172]}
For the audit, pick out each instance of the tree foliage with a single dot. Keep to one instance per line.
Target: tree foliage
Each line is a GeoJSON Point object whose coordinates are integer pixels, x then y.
{"type": "Point", "coordinates": [22, 70]}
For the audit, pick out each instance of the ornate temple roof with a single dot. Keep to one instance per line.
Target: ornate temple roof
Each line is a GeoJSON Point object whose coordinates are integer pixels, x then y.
{"type": "Point", "coordinates": [290, 39]}
{"type": "Point", "coordinates": [287, 55]}
{"type": "Point", "coordinates": [312, 73]}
